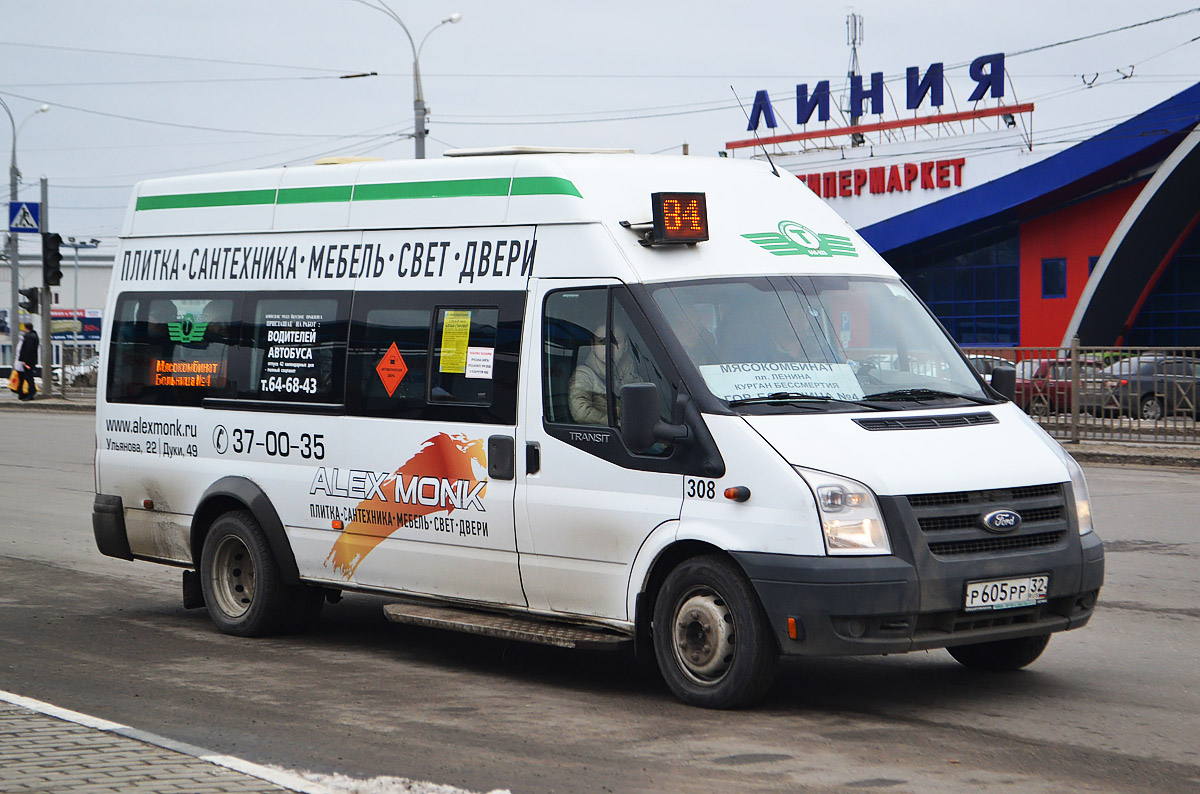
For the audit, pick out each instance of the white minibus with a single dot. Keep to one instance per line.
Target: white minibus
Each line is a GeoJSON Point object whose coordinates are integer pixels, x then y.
{"type": "Point", "coordinates": [586, 398]}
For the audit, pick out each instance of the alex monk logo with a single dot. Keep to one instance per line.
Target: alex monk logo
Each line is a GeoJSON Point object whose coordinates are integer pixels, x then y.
{"type": "Point", "coordinates": [794, 239]}
{"type": "Point", "coordinates": [186, 331]}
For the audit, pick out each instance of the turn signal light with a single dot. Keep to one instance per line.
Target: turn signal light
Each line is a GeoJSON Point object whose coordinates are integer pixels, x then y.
{"type": "Point", "coordinates": [338, 525]}
{"type": "Point", "coordinates": [738, 493]}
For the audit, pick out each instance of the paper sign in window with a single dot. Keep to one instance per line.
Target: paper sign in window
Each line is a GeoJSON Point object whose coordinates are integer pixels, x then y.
{"type": "Point", "coordinates": [479, 362]}
{"type": "Point", "coordinates": [456, 330]}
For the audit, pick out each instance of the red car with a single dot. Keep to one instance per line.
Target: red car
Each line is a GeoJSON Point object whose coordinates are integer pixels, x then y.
{"type": "Point", "coordinates": [1044, 384]}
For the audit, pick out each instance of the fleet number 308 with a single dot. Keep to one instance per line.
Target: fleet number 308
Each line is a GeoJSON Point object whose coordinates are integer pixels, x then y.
{"type": "Point", "coordinates": [700, 489]}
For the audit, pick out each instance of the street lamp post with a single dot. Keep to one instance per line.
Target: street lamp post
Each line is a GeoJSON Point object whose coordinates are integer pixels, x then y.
{"type": "Point", "coordinates": [14, 257]}
{"type": "Point", "coordinates": [75, 322]}
{"type": "Point", "coordinates": [419, 132]}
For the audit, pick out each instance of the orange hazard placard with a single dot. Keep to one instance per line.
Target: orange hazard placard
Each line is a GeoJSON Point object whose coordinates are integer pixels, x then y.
{"type": "Point", "coordinates": [391, 369]}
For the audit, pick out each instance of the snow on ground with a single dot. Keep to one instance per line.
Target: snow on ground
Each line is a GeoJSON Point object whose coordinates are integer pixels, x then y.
{"type": "Point", "coordinates": [385, 785]}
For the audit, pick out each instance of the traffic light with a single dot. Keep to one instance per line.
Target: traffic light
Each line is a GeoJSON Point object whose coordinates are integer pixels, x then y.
{"type": "Point", "coordinates": [29, 299]}
{"type": "Point", "coordinates": [51, 259]}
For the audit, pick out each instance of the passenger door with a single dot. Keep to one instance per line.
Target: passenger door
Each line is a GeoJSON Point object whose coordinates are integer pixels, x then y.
{"type": "Point", "coordinates": [585, 503]}
{"type": "Point", "coordinates": [431, 401]}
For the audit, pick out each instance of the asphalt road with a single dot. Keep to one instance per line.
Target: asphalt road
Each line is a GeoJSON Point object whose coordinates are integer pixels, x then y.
{"type": "Point", "coordinates": [1110, 708]}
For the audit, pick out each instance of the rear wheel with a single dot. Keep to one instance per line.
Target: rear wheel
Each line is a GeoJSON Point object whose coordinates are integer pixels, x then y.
{"type": "Point", "coordinates": [1001, 654]}
{"type": "Point", "coordinates": [711, 639]}
{"type": "Point", "coordinates": [243, 590]}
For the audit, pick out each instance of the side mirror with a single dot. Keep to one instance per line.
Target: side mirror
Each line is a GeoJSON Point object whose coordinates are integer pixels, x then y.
{"type": "Point", "coordinates": [1004, 380]}
{"type": "Point", "coordinates": [641, 424]}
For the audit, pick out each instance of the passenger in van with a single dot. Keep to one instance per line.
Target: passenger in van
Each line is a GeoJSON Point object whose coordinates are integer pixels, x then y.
{"type": "Point", "coordinates": [587, 394]}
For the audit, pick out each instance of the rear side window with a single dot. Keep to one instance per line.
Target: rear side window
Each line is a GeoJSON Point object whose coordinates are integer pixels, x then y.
{"type": "Point", "coordinates": [174, 349]}
{"type": "Point", "coordinates": [296, 345]}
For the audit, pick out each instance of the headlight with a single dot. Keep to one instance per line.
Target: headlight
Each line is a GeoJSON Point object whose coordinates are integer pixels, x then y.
{"type": "Point", "coordinates": [1083, 505]}
{"type": "Point", "coordinates": [850, 517]}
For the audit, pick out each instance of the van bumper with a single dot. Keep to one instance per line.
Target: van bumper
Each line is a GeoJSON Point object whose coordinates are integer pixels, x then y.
{"type": "Point", "coordinates": [108, 525]}
{"type": "Point", "coordinates": [847, 606]}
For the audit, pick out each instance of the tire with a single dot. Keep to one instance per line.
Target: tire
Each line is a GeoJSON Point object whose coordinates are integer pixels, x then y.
{"type": "Point", "coordinates": [1151, 409]}
{"type": "Point", "coordinates": [243, 590]}
{"type": "Point", "coordinates": [1000, 655]}
{"type": "Point", "coordinates": [706, 606]}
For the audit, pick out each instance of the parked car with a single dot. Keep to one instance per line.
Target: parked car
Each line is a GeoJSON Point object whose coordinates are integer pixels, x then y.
{"type": "Point", "coordinates": [1044, 384]}
{"type": "Point", "coordinates": [1149, 387]}
{"type": "Point", "coordinates": [984, 364]}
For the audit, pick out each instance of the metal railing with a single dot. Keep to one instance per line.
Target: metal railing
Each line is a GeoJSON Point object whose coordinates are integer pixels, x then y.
{"type": "Point", "coordinates": [75, 377]}
{"type": "Point", "coordinates": [1078, 393]}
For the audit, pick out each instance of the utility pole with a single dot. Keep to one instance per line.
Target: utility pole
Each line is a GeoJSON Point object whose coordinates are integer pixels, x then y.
{"type": "Point", "coordinates": [47, 346]}
{"type": "Point", "coordinates": [854, 37]}
{"type": "Point", "coordinates": [14, 255]}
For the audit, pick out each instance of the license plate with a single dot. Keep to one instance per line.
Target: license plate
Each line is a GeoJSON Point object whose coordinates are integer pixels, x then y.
{"type": "Point", "coordinates": [1007, 593]}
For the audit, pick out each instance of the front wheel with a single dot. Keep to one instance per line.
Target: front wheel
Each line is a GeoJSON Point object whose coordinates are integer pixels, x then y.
{"type": "Point", "coordinates": [242, 586]}
{"type": "Point", "coordinates": [1151, 409]}
{"type": "Point", "coordinates": [1001, 654]}
{"type": "Point", "coordinates": [711, 639]}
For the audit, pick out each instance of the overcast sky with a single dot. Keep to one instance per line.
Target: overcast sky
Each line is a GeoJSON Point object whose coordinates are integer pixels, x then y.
{"type": "Point", "coordinates": [148, 88]}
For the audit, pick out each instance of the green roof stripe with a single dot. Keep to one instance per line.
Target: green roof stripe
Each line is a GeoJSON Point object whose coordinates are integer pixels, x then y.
{"type": "Point", "coordinates": [384, 191]}
{"type": "Point", "coordinates": [231, 198]}
{"type": "Point", "coordinates": [443, 188]}
{"type": "Point", "coordinates": [543, 185]}
{"type": "Point", "coordinates": [313, 195]}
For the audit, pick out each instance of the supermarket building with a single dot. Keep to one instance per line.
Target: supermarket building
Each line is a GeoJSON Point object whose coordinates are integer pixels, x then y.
{"type": "Point", "coordinates": [1014, 242]}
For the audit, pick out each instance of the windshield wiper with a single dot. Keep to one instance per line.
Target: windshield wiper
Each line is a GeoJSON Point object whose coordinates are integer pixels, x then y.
{"type": "Point", "coordinates": [927, 394]}
{"type": "Point", "coordinates": [799, 397]}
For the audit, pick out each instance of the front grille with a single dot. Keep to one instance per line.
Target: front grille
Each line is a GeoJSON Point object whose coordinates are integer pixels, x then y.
{"type": "Point", "coordinates": [982, 497]}
{"type": "Point", "coordinates": [928, 422]}
{"type": "Point", "coordinates": [990, 544]}
{"type": "Point", "coordinates": [952, 525]}
{"type": "Point", "coordinates": [971, 521]}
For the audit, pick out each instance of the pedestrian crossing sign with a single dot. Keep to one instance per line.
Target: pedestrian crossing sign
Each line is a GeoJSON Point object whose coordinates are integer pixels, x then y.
{"type": "Point", "coordinates": [24, 216]}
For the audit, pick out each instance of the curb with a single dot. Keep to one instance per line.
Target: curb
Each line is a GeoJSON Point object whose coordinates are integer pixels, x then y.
{"type": "Point", "coordinates": [48, 404]}
{"type": "Point", "coordinates": [1136, 459]}
{"type": "Point", "coordinates": [275, 777]}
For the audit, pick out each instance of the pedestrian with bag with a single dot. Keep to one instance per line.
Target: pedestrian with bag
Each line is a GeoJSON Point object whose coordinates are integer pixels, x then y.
{"type": "Point", "coordinates": [26, 361]}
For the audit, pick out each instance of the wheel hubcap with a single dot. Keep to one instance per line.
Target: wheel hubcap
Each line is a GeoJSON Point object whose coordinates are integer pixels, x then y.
{"type": "Point", "coordinates": [232, 576]}
{"type": "Point", "coordinates": [703, 636]}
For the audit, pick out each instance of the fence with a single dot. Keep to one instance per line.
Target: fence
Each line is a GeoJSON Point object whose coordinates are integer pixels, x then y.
{"type": "Point", "coordinates": [1113, 394]}
{"type": "Point", "coordinates": [75, 376]}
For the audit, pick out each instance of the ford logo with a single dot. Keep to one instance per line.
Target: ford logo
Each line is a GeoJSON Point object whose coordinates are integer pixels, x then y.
{"type": "Point", "coordinates": [1001, 521]}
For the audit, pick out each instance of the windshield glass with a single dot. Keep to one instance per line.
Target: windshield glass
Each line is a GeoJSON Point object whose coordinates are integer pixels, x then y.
{"type": "Point", "coordinates": [843, 338]}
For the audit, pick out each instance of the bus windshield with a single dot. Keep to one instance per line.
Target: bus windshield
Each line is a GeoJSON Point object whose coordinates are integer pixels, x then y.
{"type": "Point", "coordinates": [840, 338]}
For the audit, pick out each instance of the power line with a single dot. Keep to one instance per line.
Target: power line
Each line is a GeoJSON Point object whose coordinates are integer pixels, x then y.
{"type": "Point", "coordinates": [1104, 32]}
{"type": "Point", "coordinates": [65, 48]}
{"type": "Point", "coordinates": [178, 125]}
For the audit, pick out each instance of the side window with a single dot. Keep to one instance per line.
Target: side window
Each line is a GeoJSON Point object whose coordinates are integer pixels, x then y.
{"type": "Point", "coordinates": [389, 357]}
{"type": "Point", "coordinates": [633, 360]}
{"type": "Point", "coordinates": [464, 355]}
{"type": "Point", "coordinates": [297, 347]}
{"type": "Point", "coordinates": [174, 350]}
{"type": "Point", "coordinates": [419, 356]}
{"type": "Point", "coordinates": [590, 350]}
{"type": "Point", "coordinates": [573, 353]}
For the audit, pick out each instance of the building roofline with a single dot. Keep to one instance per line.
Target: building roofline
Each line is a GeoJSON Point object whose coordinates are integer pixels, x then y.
{"type": "Point", "coordinates": [1131, 144]}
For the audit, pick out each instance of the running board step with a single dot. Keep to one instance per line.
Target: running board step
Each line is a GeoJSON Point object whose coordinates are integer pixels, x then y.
{"type": "Point", "coordinates": [507, 627]}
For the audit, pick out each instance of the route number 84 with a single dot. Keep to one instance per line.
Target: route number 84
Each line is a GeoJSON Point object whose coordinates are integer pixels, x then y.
{"type": "Point", "coordinates": [700, 489]}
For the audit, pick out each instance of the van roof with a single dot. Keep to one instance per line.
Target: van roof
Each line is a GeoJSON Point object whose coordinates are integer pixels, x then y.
{"type": "Point", "coordinates": [748, 203]}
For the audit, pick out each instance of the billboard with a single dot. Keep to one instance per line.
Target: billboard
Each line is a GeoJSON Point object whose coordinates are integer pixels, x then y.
{"type": "Point", "coordinates": [64, 323]}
